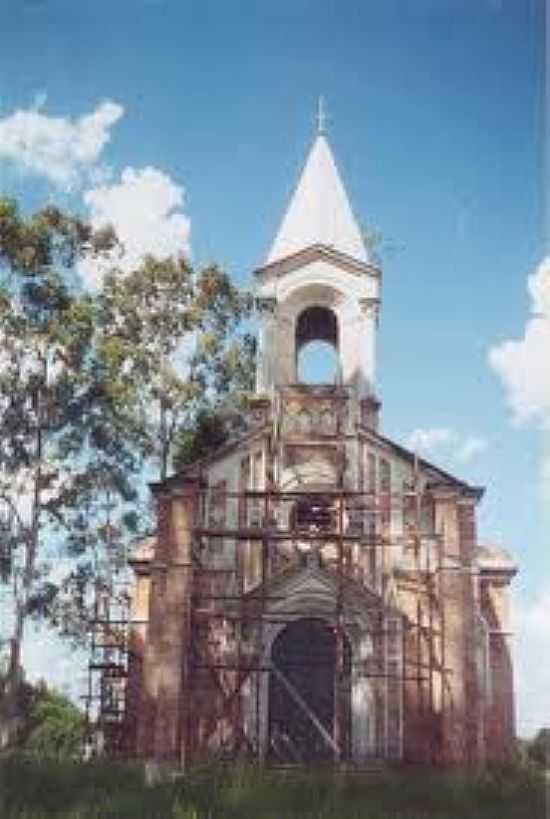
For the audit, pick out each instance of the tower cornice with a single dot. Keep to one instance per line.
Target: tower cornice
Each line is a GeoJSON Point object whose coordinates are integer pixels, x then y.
{"type": "Point", "coordinates": [318, 251]}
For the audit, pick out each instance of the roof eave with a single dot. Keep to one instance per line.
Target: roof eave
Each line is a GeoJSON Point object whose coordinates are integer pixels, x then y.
{"type": "Point", "coordinates": [476, 492]}
{"type": "Point", "coordinates": [194, 471]}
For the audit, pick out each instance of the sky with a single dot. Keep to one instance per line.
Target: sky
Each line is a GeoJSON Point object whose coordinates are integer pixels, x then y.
{"type": "Point", "coordinates": [187, 125]}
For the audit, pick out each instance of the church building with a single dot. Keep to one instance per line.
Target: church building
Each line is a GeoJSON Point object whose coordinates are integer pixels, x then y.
{"type": "Point", "coordinates": [315, 592]}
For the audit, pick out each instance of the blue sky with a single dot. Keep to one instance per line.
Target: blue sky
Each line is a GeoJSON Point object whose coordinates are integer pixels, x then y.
{"type": "Point", "coordinates": [437, 124]}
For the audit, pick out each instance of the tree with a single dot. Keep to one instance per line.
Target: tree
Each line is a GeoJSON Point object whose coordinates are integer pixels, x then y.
{"type": "Point", "coordinates": [538, 749]}
{"type": "Point", "coordinates": [169, 343]}
{"type": "Point", "coordinates": [55, 727]}
{"type": "Point", "coordinates": [96, 394]}
{"type": "Point", "coordinates": [377, 246]}
{"type": "Point", "coordinates": [46, 330]}
{"type": "Point", "coordinates": [51, 726]}
{"type": "Point", "coordinates": [91, 389]}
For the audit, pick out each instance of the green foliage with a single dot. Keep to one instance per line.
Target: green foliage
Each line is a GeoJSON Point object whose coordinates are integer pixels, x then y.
{"type": "Point", "coordinates": [54, 727]}
{"type": "Point", "coordinates": [222, 415]}
{"type": "Point", "coordinates": [538, 749]}
{"type": "Point", "coordinates": [115, 791]}
{"type": "Point", "coordinates": [46, 335]}
{"type": "Point", "coordinates": [209, 431]}
{"type": "Point", "coordinates": [378, 247]}
{"type": "Point", "coordinates": [49, 726]}
{"type": "Point", "coordinates": [96, 391]}
{"type": "Point", "coordinates": [169, 349]}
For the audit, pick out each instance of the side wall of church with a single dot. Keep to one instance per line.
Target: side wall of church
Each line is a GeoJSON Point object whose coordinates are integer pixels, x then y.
{"type": "Point", "coordinates": [474, 738]}
{"type": "Point", "coordinates": [139, 615]}
{"type": "Point", "coordinates": [499, 712]}
{"type": "Point", "coordinates": [460, 696]}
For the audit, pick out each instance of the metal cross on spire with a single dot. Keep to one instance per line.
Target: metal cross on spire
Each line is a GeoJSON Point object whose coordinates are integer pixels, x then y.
{"type": "Point", "coordinates": [321, 116]}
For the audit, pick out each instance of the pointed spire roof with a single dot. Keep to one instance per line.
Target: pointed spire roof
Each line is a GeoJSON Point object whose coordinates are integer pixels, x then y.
{"type": "Point", "coordinates": [319, 211]}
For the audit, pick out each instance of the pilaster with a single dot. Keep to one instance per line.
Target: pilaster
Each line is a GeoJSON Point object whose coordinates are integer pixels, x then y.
{"type": "Point", "coordinates": [266, 307]}
{"type": "Point", "coordinates": [163, 731]}
{"type": "Point", "coordinates": [454, 579]}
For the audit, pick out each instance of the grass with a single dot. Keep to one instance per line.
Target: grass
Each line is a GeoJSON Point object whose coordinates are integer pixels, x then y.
{"type": "Point", "coordinates": [35, 789]}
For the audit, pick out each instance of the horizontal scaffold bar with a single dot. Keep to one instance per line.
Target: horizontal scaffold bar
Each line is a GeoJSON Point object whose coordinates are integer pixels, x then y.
{"type": "Point", "coordinates": [267, 668]}
{"type": "Point", "coordinates": [260, 533]}
{"type": "Point", "coordinates": [291, 494]}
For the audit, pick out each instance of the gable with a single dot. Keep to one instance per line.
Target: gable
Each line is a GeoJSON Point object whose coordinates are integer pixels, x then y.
{"type": "Point", "coordinates": [316, 252]}
{"type": "Point", "coordinates": [313, 587]}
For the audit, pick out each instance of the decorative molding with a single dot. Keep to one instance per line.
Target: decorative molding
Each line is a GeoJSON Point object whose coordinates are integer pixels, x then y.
{"type": "Point", "coordinates": [259, 411]}
{"type": "Point", "coordinates": [370, 307]}
{"type": "Point", "coordinates": [265, 304]}
{"type": "Point", "coordinates": [280, 267]}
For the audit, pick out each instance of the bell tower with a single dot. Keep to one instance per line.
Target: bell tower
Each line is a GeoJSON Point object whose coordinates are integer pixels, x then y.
{"type": "Point", "coordinates": [318, 284]}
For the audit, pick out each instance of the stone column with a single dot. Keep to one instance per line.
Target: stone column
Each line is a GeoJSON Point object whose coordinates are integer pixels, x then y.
{"type": "Point", "coordinates": [163, 729]}
{"type": "Point", "coordinates": [265, 368]}
{"type": "Point", "coordinates": [370, 308]}
{"type": "Point", "coordinates": [137, 638]}
{"type": "Point", "coordinates": [474, 715]}
{"type": "Point", "coordinates": [500, 715]}
{"type": "Point", "coordinates": [453, 578]}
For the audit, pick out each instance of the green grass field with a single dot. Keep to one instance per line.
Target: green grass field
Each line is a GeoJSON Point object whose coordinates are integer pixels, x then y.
{"type": "Point", "coordinates": [32, 789]}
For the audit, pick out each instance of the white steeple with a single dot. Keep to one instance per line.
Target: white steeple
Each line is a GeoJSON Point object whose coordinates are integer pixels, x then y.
{"type": "Point", "coordinates": [317, 283]}
{"type": "Point", "coordinates": [319, 211]}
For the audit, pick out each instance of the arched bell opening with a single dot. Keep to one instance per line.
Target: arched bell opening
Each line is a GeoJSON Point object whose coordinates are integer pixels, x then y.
{"type": "Point", "coordinates": [316, 345]}
{"type": "Point", "coordinates": [302, 694]}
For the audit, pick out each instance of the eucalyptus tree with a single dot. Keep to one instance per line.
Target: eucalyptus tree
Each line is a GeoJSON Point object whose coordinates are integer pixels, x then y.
{"type": "Point", "coordinates": [97, 391]}
{"type": "Point", "coordinates": [169, 343]}
{"type": "Point", "coordinates": [46, 332]}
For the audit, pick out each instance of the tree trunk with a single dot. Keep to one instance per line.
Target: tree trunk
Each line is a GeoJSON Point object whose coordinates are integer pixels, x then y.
{"type": "Point", "coordinates": [10, 716]}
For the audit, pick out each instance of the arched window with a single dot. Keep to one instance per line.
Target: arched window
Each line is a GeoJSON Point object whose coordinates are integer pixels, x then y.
{"type": "Point", "coordinates": [317, 360]}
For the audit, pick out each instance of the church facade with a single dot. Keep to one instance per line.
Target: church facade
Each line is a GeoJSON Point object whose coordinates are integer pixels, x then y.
{"type": "Point", "coordinates": [315, 592]}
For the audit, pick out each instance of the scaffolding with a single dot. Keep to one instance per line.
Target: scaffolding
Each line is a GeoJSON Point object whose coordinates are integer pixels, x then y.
{"type": "Point", "coordinates": [246, 545]}
{"type": "Point", "coordinates": [347, 534]}
{"type": "Point", "coordinates": [106, 689]}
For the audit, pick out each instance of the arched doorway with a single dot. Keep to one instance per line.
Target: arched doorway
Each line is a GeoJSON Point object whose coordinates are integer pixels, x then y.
{"type": "Point", "coordinates": [302, 693]}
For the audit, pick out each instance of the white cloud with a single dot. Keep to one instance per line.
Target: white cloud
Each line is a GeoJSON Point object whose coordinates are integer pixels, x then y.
{"type": "Point", "coordinates": [62, 149]}
{"type": "Point", "coordinates": [524, 364]}
{"type": "Point", "coordinates": [447, 443]}
{"type": "Point", "coordinates": [427, 441]}
{"type": "Point", "coordinates": [531, 623]}
{"type": "Point", "coordinates": [144, 208]}
{"type": "Point", "coordinates": [471, 446]}
{"type": "Point", "coordinates": [545, 472]}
